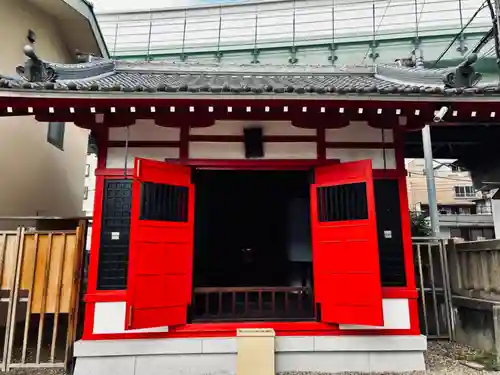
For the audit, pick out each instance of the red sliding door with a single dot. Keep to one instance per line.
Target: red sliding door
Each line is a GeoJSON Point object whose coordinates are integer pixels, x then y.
{"type": "Point", "coordinates": [161, 245]}
{"type": "Point", "coordinates": [345, 247]}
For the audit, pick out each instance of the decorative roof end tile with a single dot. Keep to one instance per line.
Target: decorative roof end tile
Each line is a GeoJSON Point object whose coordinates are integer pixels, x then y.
{"type": "Point", "coordinates": [464, 75]}
{"type": "Point", "coordinates": [34, 69]}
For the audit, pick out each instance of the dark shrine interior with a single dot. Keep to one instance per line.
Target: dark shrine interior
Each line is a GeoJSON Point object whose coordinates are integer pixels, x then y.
{"type": "Point", "coordinates": [252, 246]}
{"type": "Point", "coordinates": [242, 226]}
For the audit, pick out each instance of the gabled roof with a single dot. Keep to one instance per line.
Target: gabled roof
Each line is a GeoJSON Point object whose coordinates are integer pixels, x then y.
{"type": "Point", "coordinates": [98, 74]}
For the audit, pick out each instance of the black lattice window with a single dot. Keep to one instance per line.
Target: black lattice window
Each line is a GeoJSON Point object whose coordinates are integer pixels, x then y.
{"type": "Point", "coordinates": [342, 202]}
{"type": "Point", "coordinates": [389, 233]}
{"type": "Point", "coordinates": [115, 232]}
{"type": "Point", "coordinates": [162, 202]}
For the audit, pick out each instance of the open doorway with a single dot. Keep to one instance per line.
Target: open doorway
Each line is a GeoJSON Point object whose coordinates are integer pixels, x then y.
{"type": "Point", "coordinates": [252, 251]}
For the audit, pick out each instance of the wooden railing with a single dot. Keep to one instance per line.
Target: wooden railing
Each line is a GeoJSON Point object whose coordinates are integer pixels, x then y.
{"type": "Point", "coordinates": [253, 303]}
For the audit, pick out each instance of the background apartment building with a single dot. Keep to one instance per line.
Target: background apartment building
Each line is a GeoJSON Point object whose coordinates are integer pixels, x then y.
{"type": "Point", "coordinates": [464, 212]}
{"type": "Point", "coordinates": [43, 164]}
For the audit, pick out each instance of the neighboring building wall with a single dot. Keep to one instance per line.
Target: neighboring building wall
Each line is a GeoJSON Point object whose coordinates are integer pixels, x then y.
{"type": "Point", "coordinates": [463, 212]}
{"type": "Point", "coordinates": [38, 178]}
{"type": "Point", "coordinates": [445, 179]}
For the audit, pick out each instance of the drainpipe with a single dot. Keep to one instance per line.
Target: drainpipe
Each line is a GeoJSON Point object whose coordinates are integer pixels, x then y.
{"type": "Point", "coordinates": [431, 185]}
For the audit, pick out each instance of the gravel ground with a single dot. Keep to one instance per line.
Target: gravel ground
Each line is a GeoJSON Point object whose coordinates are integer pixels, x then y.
{"type": "Point", "coordinates": [441, 358]}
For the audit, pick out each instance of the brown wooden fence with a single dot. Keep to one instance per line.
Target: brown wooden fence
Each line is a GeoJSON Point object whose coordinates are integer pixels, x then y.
{"type": "Point", "coordinates": [39, 294]}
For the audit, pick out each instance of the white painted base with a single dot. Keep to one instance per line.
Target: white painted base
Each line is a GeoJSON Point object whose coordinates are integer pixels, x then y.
{"type": "Point", "coordinates": [217, 356]}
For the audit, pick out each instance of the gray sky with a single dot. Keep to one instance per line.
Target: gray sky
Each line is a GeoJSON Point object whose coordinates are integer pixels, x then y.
{"type": "Point", "coordinates": [124, 5]}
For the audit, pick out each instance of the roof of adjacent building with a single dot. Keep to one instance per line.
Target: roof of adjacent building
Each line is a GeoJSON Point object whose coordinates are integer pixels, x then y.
{"type": "Point", "coordinates": [98, 74]}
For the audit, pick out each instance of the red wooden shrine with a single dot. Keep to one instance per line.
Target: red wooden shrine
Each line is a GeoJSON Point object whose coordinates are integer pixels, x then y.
{"type": "Point", "coordinates": [163, 131]}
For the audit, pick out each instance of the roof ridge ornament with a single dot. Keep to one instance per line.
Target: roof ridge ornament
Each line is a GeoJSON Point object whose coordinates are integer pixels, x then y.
{"type": "Point", "coordinates": [464, 75]}
{"type": "Point", "coordinates": [35, 69]}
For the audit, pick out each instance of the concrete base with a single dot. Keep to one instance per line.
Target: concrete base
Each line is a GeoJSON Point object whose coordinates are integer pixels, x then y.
{"type": "Point", "coordinates": [217, 356]}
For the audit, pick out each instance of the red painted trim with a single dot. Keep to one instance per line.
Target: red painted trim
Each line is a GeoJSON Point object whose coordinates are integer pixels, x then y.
{"type": "Point", "coordinates": [250, 164]}
{"type": "Point", "coordinates": [229, 330]}
{"type": "Point", "coordinates": [361, 145]}
{"type": "Point", "coordinates": [106, 296]}
{"type": "Point", "coordinates": [399, 292]}
{"type": "Point", "coordinates": [102, 136]}
{"type": "Point", "coordinates": [120, 295]}
{"type": "Point", "coordinates": [414, 318]}
{"type": "Point", "coordinates": [184, 143]}
{"type": "Point", "coordinates": [241, 138]}
{"type": "Point", "coordinates": [96, 236]}
{"type": "Point", "coordinates": [117, 173]}
{"type": "Point", "coordinates": [321, 142]}
{"type": "Point", "coordinates": [88, 326]}
{"type": "Point", "coordinates": [267, 138]}
{"type": "Point", "coordinates": [405, 212]}
{"type": "Point", "coordinates": [111, 173]}
{"type": "Point", "coordinates": [145, 144]}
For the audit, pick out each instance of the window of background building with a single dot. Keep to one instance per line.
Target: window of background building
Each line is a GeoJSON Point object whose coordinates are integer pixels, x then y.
{"type": "Point", "coordinates": [55, 134]}
{"type": "Point", "coordinates": [86, 192]}
{"type": "Point", "coordinates": [465, 191]}
{"type": "Point", "coordinates": [87, 170]}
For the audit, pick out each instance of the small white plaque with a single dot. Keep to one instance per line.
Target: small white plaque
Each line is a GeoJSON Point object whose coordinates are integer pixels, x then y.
{"type": "Point", "coordinates": [387, 233]}
{"type": "Point", "coordinates": [115, 235]}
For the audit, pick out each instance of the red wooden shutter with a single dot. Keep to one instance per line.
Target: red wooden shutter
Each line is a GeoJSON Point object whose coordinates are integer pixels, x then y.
{"type": "Point", "coordinates": [345, 248]}
{"type": "Point", "coordinates": [161, 245]}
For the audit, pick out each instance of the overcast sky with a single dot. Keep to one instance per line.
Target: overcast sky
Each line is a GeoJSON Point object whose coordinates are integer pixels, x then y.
{"type": "Point", "coordinates": [124, 5]}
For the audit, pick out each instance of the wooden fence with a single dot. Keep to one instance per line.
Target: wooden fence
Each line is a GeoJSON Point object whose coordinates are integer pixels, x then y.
{"type": "Point", "coordinates": [39, 294]}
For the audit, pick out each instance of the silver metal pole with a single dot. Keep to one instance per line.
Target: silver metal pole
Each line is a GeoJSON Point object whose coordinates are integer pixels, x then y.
{"type": "Point", "coordinates": [431, 185]}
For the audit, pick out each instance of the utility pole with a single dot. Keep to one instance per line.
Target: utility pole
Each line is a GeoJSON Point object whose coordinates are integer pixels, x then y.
{"type": "Point", "coordinates": [431, 185]}
{"type": "Point", "coordinates": [496, 28]}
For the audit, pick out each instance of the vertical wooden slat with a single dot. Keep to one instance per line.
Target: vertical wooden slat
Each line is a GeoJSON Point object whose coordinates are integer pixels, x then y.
{"type": "Point", "coordinates": [220, 303]}
{"type": "Point", "coordinates": [81, 235]}
{"type": "Point", "coordinates": [15, 295]}
{"type": "Point", "coordinates": [60, 273]}
{"type": "Point", "coordinates": [260, 302]}
{"type": "Point", "coordinates": [2, 255]}
{"type": "Point", "coordinates": [233, 309]}
{"type": "Point", "coordinates": [273, 301]}
{"type": "Point", "coordinates": [9, 307]}
{"type": "Point", "coordinates": [30, 300]}
{"type": "Point", "coordinates": [246, 303]}
{"type": "Point", "coordinates": [207, 303]}
{"type": "Point", "coordinates": [43, 300]}
{"type": "Point", "coordinates": [299, 301]}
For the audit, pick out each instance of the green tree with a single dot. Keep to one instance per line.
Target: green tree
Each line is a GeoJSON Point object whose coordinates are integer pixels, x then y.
{"type": "Point", "coordinates": [420, 225]}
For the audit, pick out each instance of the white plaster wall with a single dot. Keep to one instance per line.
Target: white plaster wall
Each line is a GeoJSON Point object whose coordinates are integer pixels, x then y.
{"type": "Point", "coordinates": [144, 130]}
{"type": "Point", "coordinates": [268, 128]}
{"type": "Point", "coordinates": [236, 150]}
{"type": "Point", "coordinates": [116, 155]}
{"type": "Point", "coordinates": [38, 178]}
{"type": "Point", "coordinates": [375, 155]}
{"type": "Point", "coordinates": [396, 315]}
{"type": "Point", "coordinates": [109, 317]}
{"type": "Point", "coordinates": [359, 131]}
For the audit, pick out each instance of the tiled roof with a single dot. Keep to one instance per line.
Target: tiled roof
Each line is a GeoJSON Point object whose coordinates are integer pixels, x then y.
{"type": "Point", "coordinates": [169, 77]}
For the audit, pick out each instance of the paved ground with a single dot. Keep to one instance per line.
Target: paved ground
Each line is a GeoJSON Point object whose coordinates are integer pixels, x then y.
{"type": "Point", "coordinates": [441, 358]}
